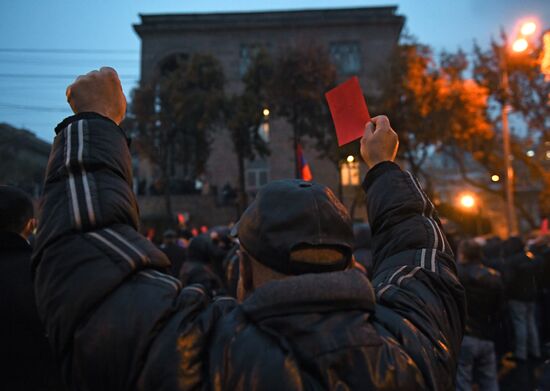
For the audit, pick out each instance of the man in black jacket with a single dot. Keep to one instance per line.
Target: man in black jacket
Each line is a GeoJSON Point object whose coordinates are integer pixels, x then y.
{"type": "Point", "coordinates": [521, 270]}
{"type": "Point", "coordinates": [306, 318]}
{"type": "Point", "coordinates": [484, 294]}
{"type": "Point", "coordinates": [27, 361]}
{"type": "Point", "coordinates": [175, 253]}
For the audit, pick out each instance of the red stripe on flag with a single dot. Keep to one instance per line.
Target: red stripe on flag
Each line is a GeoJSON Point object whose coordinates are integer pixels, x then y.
{"type": "Point", "coordinates": [304, 169]}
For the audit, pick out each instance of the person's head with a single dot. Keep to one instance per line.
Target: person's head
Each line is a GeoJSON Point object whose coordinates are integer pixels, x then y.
{"type": "Point", "coordinates": [470, 251]}
{"type": "Point", "coordinates": [293, 227]}
{"type": "Point", "coordinates": [169, 237]}
{"type": "Point", "coordinates": [201, 249]}
{"type": "Point", "coordinates": [492, 248]}
{"type": "Point", "coordinates": [513, 245]}
{"type": "Point", "coordinates": [17, 211]}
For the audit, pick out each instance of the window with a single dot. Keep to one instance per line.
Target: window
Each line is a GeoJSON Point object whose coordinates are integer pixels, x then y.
{"type": "Point", "coordinates": [346, 57]}
{"type": "Point", "coordinates": [349, 174]}
{"type": "Point", "coordinates": [247, 54]}
{"type": "Point", "coordinates": [257, 174]}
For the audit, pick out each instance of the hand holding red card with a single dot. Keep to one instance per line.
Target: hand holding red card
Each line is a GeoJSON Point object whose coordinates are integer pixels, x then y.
{"type": "Point", "coordinates": [349, 110]}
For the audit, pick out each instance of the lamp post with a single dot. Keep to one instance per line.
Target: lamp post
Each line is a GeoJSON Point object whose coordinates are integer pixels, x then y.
{"type": "Point", "coordinates": [520, 45]}
{"type": "Point", "coordinates": [508, 169]}
{"type": "Point", "coordinates": [471, 204]}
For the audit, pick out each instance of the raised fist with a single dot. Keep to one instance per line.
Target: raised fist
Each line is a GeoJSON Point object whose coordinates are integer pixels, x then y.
{"type": "Point", "coordinates": [99, 92]}
{"type": "Point", "coordinates": [380, 142]}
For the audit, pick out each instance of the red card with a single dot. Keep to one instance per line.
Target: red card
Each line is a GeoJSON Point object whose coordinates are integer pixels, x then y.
{"type": "Point", "coordinates": [544, 227]}
{"type": "Point", "coordinates": [349, 110]}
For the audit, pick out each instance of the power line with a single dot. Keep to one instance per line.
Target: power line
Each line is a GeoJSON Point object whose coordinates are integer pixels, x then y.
{"type": "Point", "coordinates": [34, 108]}
{"type": "Point", "coordinates": [67, 62]}
{"type": "Point", "coordinates": [52, 76]}
{"type": "Point", "coordinates": [65, 51]}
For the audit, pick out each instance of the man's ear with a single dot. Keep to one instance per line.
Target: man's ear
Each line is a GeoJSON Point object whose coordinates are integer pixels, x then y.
{"type": "Point", "coordinates": [29, 228]}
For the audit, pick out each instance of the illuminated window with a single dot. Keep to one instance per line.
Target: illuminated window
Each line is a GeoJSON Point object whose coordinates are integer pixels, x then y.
{"type": "Point", "coordinates": [346, 56]}
{"type": "Point", "coordinates": [349, 173]}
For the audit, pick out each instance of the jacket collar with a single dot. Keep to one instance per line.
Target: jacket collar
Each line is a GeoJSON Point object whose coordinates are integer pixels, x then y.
{"type": "Point", "coordinates": [13, 241]}
{"type": "Point", "coordinates": [323, 292]}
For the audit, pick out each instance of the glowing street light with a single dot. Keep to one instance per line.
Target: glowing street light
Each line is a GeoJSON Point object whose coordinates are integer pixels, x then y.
{"type": "Point", "coordinates": [530, 153]}
{"type": "Point", "coordinates": [520, 45]}
{"type": "Point", "coordinates": [495, 178]}
{"type": "Point", "coordinates": [467, 201]}
{"type": "Point", "coordinates": [350, 159]}
{"type": "Point", "coordinates": [265, 112]}
{"type": "Point", "coordinates": [528, 28]}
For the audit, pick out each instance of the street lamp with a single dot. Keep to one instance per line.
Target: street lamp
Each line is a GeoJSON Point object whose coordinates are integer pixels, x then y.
{"type": "Point", "coordinates": [520, 45]}
{"type": "Point", "coordinates": [467, 201]}
{"type": "Point", "coordinates": [528, 28]}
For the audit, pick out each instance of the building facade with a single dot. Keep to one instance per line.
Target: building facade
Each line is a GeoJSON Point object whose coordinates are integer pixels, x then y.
{"type": "Point", "coordinates": [359, 41]}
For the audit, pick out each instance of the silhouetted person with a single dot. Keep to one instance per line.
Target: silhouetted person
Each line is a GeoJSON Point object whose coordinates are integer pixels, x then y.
{"type": "Point", "coordinates": [175, 253]}
{"type": "Point", "coordinates": [199, 267]}
{"type": "Point", "coordinates": [484, 293]}
{"type": "Point", "coordinates": [27, 361]}
{"type": "Point", "coordinates": [305, 318]}
{"type": "Point", "coordinates": [520, 272]}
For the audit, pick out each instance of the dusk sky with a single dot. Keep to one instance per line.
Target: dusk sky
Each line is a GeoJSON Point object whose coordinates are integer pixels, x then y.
{"type": "Point", "coordinates": [45, 44]}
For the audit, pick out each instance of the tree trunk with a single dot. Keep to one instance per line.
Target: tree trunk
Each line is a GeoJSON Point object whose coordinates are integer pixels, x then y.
{"type": "Point", "coordinates": [167, 200]}
{"type": "Point", "coordinates": [242, 198]}
{"type": "Point", "coordinates": [166, 183]}
{"type": "Point", "coordinates": [297, 173]}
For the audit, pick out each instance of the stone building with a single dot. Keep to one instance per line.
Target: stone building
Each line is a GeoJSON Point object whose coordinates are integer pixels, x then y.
{"type": "Point", "coordinates": [359, 41]}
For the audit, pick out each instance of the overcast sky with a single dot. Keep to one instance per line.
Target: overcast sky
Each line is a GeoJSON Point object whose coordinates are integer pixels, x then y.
{"type": "Point", "coordinates": [44, 44]}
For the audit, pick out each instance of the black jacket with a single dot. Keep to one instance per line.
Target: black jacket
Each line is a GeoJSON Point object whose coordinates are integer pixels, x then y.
{"type": "Point", "coordinates": [521, 272]}
{"type": "Point", "coordinates": [198, 269]}
{"type": "Point", "coordinates": [119, 324]}
{"type": "Point", "coordinates": [485, 298]}
{"type": "Point", "coordinates": [177, 256]}
{"type": "Point", "coordinates": [27, 359]}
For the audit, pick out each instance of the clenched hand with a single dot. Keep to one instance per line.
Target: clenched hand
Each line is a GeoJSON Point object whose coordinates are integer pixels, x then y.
{"type": "Point", "coordinates": [380, 142]}
{"type": "Point", "coordinates": [99, 92]}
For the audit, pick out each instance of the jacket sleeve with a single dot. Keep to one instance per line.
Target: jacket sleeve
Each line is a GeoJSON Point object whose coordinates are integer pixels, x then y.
{"type": "Point", "coordinates": [420, 302]}
{"type": "Point", "coordinates": [110, 315]}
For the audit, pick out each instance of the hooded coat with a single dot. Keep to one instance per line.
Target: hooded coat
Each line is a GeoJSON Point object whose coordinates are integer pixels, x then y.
{"type": "Point", "coordinates": [118, 323]}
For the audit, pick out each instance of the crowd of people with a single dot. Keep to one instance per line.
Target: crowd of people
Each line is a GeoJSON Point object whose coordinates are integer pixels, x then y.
{"type": "Point", "coordinates": [507, 285]}
{"type": "Point", "coordinates": [291, 297]}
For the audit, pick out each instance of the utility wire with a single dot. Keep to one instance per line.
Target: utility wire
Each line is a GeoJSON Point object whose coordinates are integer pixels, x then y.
{"type": "Point", "coordinates": [52, 76]}
{"type": "Point", "coordinates": [67, 62]}
{"type": "Point", "coordinates": [64, 51]}
{"type": "Point", "coordinates": [34, 108]}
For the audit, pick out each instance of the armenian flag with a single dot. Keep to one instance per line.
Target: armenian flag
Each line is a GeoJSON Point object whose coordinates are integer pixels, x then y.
{"type": "Point", "coordinates": [303, 166]}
